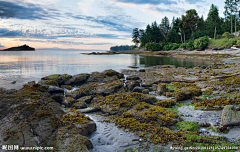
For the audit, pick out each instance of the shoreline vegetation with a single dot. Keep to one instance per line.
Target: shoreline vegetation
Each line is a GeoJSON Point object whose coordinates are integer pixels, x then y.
{"type": "Point", "coordinates": [20, 48]}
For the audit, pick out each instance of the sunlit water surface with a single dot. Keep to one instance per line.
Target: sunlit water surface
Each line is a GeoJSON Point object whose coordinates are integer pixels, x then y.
{"type": "Point", "coordinates": [25, 66]}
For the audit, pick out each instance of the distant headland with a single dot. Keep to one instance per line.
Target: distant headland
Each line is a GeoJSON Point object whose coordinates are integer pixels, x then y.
{"type": "Point", "coordinates": [20, 48]}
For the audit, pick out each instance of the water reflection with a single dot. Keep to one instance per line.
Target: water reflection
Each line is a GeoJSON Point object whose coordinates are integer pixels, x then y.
{"type": "Point", "coordinates": [31, 66]}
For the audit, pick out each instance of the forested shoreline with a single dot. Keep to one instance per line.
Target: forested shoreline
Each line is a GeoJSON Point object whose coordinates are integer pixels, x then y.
{"type": "Point", "coordinates": [185, 30]}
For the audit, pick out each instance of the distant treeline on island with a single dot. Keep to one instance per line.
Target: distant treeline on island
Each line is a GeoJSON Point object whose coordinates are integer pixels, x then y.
{"type": "Point", "coordinates": [20, 48]}
{"type": "Point", "coordinates": [120, 48]}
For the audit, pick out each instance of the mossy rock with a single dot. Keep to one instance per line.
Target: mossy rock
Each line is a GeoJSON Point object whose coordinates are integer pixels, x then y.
{"type": "Point", "coordinates": [60, 78]}
{"type": "Point", "coordinates": [86, 99]}
{"type": "Point", "coordinates": [188, 126]}
{"type": "Point", "coordinates": [161, 88]}
{"type": "Point", "coordinates": [76, 79]}
{"type": "Point", "coordinates": [111, 73]}
{"type": "Point", "coordinates": [230, 117]}
{"type": "Point", "coordinates": [167, 103]}
{"type": "Point", "coordinates": [48, 83]}
{"type": "Point", "coordinates": [186, 93]}
{"type": "Point", "coordinates": [79, 105]}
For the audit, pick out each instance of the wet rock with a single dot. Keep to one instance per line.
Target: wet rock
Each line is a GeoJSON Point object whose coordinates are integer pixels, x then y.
{"type": "Point", "coordinates": [133, 78]}
{"type": "Point", "coordinates": [59, 78]}
{"type": "Point", "coordinates": [149, 99]}
{"type": "Point", "coordinates": [48, 83]}
{"type": "Point", "coordinates": [86, 99]}
{"type": "Point", "coordinates": [11, 91]}
{"type": "Point", "coordinates": [101, 78]}
{"type": "Point", "coordinates": [147, 83]}
{"type": "Point", "coordinates": [132, 84]}
{"type": "Point", "coordinates": [67, 87]}
{"type": "Point", "coordinates": [145, 91]}
{"type": "Point", "coordinates": [77, 79]}
{"type": "Point", "coordinates": [108, 89]}
{"type": "Point", "coordinates": [82, 91]}
{"type": "Point", "coordinates": [89, 110]}
{"type": "Point", "coordinates": [134, 67]}
{"type": "Point", "coordinates": [196, 100]}
{"type": "Point", "coordinates": [58, 97]}
{"type": "Point", "coordinates": [68, 101]}
{"type": "Point", "coordinates": [230, 117]}
{"type": "Point", "coordinates": [142, 70]}
{"type": "Point", "coordinates": [13, 82]}
{"type": "Point", "coordinates": [79, 105]}
{"type": "Point", "coordinates": [111, 73]}
{"type": "Point", "coordinates": [186, 93]}
{"type": "Point", "coordinates": [138, 89]}
{"type": "Point", "coordinates": [161, 88]}
{"type": "Point", "coordinates": [54, 89]}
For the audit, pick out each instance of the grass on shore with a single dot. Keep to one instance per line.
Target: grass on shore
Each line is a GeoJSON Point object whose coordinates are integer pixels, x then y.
{"type": "Point", "coordinates": [223, 42]}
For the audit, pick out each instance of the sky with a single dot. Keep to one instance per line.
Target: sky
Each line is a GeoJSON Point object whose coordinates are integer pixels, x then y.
{"type": "Point", "coordinates": [86, 24]}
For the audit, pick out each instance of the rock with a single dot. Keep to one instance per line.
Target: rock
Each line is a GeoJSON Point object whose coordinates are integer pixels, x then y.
{"type": "Point", "coordinates": [13, 82]}
{"type": "Point", "coordinates": [11, 91]}
{"type": "Point", "coordinates": [67, 87]}
{"type": "Point", "coordinates": [89, 110]}
{"type": "Point", "coordinates": [101, 78]}
{"type": "Point", "coordinates": [54, 89]}
{"type": "Point", "coordinates": [111, 73]}
{"type": "Point", "coordinates": [196, 100]}
{"type": "Point", "coordinates": [59, 78]}
{"type": "Point", "coordinates": [142, 70]}
{"type": "Point", "coordinates": [133, 78]}
{"type": "Point", "coordinates": [187, 93]}
{"type": "Point", "coordinates": [164, 66]}
{"type": "Point", "coordinates": [82, 91]}
{"type": "Point", "coordinates": [109, 88]}
{"type": "Point", "coordinates": [203, 67]}
{"type": "Point", "coordinates": [132, 84]}
{"type": "Point", "coordinates": [145, 91]}
{"type": "Point", "coordinates": [134, 67]}
{"type": "Point", "coordinates": [79, 105]}
{"type": "Point", "coordinates": [68, 101]}
{"type": "Point", "coordinates": [86, 99]}
{"type": "Point", "coordinates": [138, 89]}
{"type": "Point", "coordinates": [48, 83]}
{"type": "Point", "coordinates": [77, 79]}
{"type": "Point", "coordinates": [230, 117]}
{"type": "Point", "coordinates": [149, 99]}
{"type": "Point", "coordinates": [147, 83]}
{"type": "Point", "coordinates": [58, 97]}
{"type": "Point", "coordinates": [161, 88]}
{"type": "Point", "coordinates": [154, 86]}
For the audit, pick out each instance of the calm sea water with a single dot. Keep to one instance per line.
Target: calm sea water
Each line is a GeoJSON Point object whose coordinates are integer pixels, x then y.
{"type": "Point", "coordinates": [28, 66]}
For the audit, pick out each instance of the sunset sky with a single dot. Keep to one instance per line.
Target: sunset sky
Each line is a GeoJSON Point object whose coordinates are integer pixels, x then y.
{"type": "Point", "coordinates": [86, 24]}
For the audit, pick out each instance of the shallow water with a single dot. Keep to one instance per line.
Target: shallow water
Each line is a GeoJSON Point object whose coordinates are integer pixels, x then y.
{"type": "Point", "coordinates": [25, 66]}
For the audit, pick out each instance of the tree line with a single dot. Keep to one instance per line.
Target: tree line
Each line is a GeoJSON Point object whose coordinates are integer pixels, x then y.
{"type": "Point", "coordinates": [190, 26]}
{"type": "Point", "coordinates": [120, 48]}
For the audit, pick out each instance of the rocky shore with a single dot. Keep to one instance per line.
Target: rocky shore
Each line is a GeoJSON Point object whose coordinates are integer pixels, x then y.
{"type": "Point", "coordinates": [149, 109]}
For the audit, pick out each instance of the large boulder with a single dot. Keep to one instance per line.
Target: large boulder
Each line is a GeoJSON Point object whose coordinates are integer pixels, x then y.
{"type": "Point", "coordinates": [85, 90]}
{"type": "Point", "coordinates": [58, 97]}
{"type": "Point", "coordinates": [101, 78]}
{"type": "Point", "coordinates": [147, 83]}
{"type": "Point", "coordinates": [79, 105]}
{"type": "Point", "coordinates": [77, 79]}
{"type": "Point", "coordinates": [138, 89]}
{"type": "Point", "coordinates": [48, 83]}
{"type": "Point", "coordinates": [109, 88]}
{"type": "Point", "coordinates": [111, 73]}
{"type": "Point", "coordinates": [59, 78]}
{"type": "Point", "coordinates": [68, 101]}
{"type": "Point", "coordinates": [54, 89]}
{"type": "Point", "coordinates": [187, 93]}
{"type": "Point", "coordinates": [230, 117]}
{"type": "Point", "coordinates": [133, 77]}
{"type": "Point", "coordinates": [86, 99]}
{"type": "Point", "coordinates": [132, 84]}
{"type": "Point", "coordinates": [161, 88]}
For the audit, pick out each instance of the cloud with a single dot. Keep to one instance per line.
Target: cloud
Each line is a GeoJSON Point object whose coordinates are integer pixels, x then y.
{"type": "Point", "coordinates": [113, 23]}
{"type": "Point", "coordinates": [194, 1]}
{"type": "Point", "coordinates": [154, 2]}
{"type": "Point", "coordinates": [24, 11]}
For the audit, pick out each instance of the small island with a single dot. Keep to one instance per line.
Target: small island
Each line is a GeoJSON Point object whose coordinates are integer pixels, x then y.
{"type": "Point", "coordinates": [20, 48]}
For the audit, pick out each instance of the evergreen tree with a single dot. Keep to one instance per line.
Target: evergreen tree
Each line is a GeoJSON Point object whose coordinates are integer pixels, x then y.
{"type": "Point", "coordinates": [135, 36]}
{"type": "Point", "coordinates": [190, 20]}
{"type": "Point", "coordinates": [213, 21]}
{"type": "Point", "coordinates": [165, 28]}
